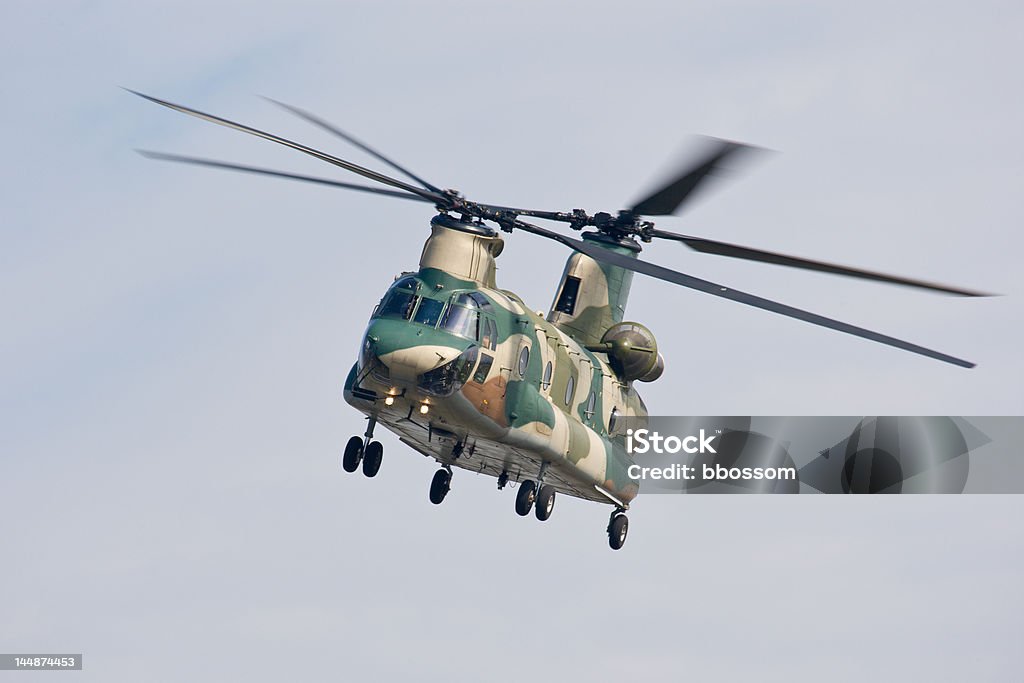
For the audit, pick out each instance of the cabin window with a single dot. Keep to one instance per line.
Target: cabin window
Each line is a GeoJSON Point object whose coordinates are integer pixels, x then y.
{"type": "Point", "coordinates": [483, 369]}
{"type": "Point", "coordinates": [545, 382]}
{"type": "Point", "coordinates": [612, 419]}
{"type": "Point", "coordinates": [429, 312]}
{"type": "Point", "coordinates": [524, 360]}
{"type": "Point", "coordinates": [570, 292]}
{"type": "Point", "coordinates": [591, 401]}
{"type": "Point", "coordinates": [569, 386]}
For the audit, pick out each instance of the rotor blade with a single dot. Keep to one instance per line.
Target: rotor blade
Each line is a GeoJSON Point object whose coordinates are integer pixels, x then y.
{"type": "Point", "coordinates": [671, 196]}
{"type": "Point", "coordinates": [277, 174]}
{"type": "Point", "coordinates": [330, 128]}
{"type": "Point", "coordinates": [707, 246]}
{"type": "Point", "coordinates": [714, 289]}
{"type": "Point", "coordinates": [348, 166]}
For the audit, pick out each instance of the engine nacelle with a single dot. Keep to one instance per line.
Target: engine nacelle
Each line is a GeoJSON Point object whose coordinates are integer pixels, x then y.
{"type": "Point", "coordinates": [632, 352]}
{"type": "Point", "coordinates": [655, 372]}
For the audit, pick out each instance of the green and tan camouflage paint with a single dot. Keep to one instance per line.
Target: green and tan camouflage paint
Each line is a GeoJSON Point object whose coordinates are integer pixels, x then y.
{"type": "Point", "coordinates": [601, 301]}
{"type": "Point", "coordinates": [564, 421]}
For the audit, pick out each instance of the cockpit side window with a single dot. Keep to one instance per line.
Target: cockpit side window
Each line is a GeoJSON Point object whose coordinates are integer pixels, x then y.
{"type": "Point", "coordinates": [462, 318]}
{"type": "Point", "coordinates": [400, 300]}
{"type": "Point", "coordinates": [397, 304]}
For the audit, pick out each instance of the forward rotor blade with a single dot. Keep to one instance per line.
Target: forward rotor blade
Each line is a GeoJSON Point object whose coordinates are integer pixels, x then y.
{"type": "Point", "coordinates": [277, 174]}
{"type": "Point", "coordinates": [707, 246]}
{"type": "Point", "coordinates": [323, 156]}
{"type": "Point", "coordinates": [330, 128]}
{"type": "Point", "coordinates": [671, 196]}
{"type": "Point", "coordinates": [714, 289]}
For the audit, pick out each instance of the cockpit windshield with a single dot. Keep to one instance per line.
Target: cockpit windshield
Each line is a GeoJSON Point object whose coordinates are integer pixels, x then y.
{"type": "Point", "coordinates": [459, 316]}
{"type": "Point", "coordinates": [429, 312]}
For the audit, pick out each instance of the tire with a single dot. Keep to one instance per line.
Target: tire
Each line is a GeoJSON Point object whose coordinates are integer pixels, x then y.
{"type": "Point", "coordinates": [439, 486]}
{"type": "Point", "coordinates": [353, 454]}
{"type": "Point", "coordinates": [372, 458]}
{"type": "Point", "coordinates": [617, 531]}
{"type": "Point", "coordinates": [525, 498]}
{"type": "Point", "coordinates": [545, 502]}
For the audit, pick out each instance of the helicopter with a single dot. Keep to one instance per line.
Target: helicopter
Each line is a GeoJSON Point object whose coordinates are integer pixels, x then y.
{"type": "Point", "coordinates": [467, 374]}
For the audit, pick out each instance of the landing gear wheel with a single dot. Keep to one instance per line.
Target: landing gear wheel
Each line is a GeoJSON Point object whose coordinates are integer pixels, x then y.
{"type": "Point", "coordinates": [353, 454]}
{"type": "Point", "coordinates": [439, 486]}
{"type": "Point", "coordinates": [524, 499]}
{"type": "Point", "coordinates": [372, 458]}
{"type": "Point", "coordinates": [545, 502]}
{"type": "Point", "coordinates": [617, 530]}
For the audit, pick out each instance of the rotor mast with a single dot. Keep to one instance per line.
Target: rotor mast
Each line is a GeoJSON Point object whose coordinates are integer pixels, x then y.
{"type": "Point", "coordinates": [463, 248]}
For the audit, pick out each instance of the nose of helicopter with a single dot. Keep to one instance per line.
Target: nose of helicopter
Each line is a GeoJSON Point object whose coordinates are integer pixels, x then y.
{"type": "Point", "coordinates": [408, 350]}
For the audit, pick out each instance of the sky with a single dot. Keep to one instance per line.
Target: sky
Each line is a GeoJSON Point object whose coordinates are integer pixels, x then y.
{"type": "Point", "coordinates": [175, 339]}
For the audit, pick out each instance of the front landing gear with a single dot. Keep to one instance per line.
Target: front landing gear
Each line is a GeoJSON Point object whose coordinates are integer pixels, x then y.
{"type": "Point", "coordinates": [440, 485]}
{"type": "Point", "coordinates": [372, 457]}
{"type": "Point", "coordinates": [363, 449]}
{"type": "Point", "coordinates": [525, 498]}
{"type": "Point", "coordinates": [353, 454]}
{"type": "Point", "coordinates": [618, 527]}
{"type": "Point", "coordinates": [530, 495]}
{"type": "Point", "coordinates": [531, 492]}
{"type": "Point", "coordinates": [545, 502]}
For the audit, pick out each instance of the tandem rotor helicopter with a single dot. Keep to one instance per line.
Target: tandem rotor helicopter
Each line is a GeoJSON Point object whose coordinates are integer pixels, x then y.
{"type": "Point", "coordinates": [468, 374]}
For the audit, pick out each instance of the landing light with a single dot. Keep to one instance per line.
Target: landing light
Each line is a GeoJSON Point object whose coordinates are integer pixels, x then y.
{"type": "Point", "coordinates": [424, 409]}
{"type": "Point", "coordinates": [389, 400]}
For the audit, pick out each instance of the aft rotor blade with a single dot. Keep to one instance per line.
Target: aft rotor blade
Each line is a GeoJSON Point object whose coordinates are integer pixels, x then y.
{"type": "Point", "coordinates": [672, 195]}
{"type": "Point", "coordinates": [714, 289]}
{"type": "Point", "coordinates": [331, 128]}
{"type": "Point", "coordinates": [323, 156]}
{"type": "Point", "coordinates": [213, 163]}
{"type": "Point", "coordinates": [707, 246]}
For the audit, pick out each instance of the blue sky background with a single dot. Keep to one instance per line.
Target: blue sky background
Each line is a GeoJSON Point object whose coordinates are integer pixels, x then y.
{"type": "Point", "coordinates": [175, 339]}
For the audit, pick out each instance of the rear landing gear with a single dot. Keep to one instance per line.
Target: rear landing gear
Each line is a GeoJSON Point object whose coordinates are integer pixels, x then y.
{"type": "Point", "coordinates": [440, 485]}
{"type": "Point", "coordinates": [618, 527]}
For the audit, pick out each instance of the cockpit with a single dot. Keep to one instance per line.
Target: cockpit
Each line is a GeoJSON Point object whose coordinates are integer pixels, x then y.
{"type": "Point", "coordinates": [457, 314]}
{"type": "Point", "coordinates": [468, 315]}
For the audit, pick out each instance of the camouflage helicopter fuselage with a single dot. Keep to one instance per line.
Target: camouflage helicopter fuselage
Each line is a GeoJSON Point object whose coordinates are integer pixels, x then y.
{"type": "Point", "coordinates": [468, 374]}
